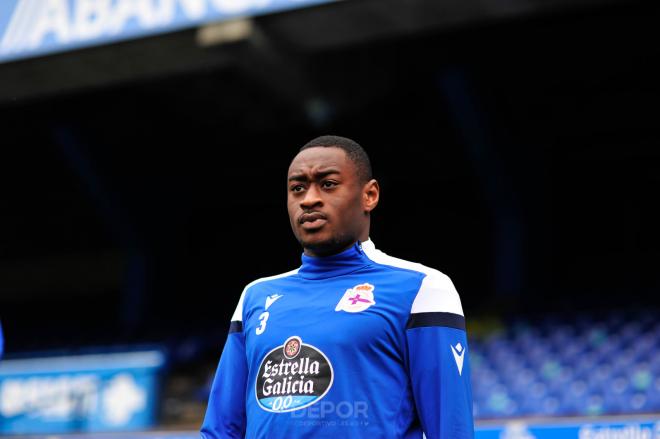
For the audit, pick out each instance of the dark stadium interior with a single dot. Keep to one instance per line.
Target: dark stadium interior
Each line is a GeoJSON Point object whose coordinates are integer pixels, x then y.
{"type": "Point", "coordinates": [518, 156]}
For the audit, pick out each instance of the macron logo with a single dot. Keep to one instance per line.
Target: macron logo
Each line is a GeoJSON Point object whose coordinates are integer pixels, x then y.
{"type": "Point", "coordinates": [271, 299]}
{"type": "Point", "coordinates": [459, 355]}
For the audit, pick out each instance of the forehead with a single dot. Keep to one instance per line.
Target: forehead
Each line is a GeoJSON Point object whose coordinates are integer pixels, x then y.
{"type": "Point", "coordinates": [319, 159]}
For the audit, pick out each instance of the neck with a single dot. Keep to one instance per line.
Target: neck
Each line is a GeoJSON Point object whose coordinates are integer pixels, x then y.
{"type": "Point", "coordinates": [333, 248]}
{"type": "Point", "coordinates": [348, 261]}
{"type": "Point", "coordinates": [326, 250]}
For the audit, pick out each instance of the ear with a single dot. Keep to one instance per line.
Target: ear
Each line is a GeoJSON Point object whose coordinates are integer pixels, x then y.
{"type": "Point", "coordinates": [370, 195]}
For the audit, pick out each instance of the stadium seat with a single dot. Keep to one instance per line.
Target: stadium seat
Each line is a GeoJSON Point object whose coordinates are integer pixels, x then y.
{"type": "Point", "coordinates": [587, 366]}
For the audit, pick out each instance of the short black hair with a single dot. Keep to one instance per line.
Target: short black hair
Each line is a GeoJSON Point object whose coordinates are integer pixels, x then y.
{"type": "Point", "coordinates": [353, 150]}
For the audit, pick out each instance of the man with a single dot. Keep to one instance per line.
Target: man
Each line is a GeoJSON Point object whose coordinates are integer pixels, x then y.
{"type": "Point", "coordinates": [352, 344]}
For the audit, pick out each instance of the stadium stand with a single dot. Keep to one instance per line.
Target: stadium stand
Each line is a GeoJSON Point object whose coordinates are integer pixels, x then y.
{"type": "Point", "coordinates": [577, 366]}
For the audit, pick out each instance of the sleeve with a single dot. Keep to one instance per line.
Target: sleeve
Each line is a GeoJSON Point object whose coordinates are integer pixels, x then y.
{"type": "Point", "coordinates": [438, 361]}
{"type": "Point", "coordinates": [225, 413]}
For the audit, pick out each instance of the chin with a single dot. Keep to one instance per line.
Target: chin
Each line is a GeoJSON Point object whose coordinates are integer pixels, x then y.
{"type": "Point", "coordinates": [316, 241]}
{"type": "Point", "coordinates": [322, 244]}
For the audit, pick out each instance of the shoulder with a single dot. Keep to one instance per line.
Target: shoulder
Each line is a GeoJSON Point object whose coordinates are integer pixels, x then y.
{"type": "Point", "coordinates": [269, 279]}
{"type": "Point", "coordinates": [249, 288]}
{"type": "Point", "coordinates": [436, 292]}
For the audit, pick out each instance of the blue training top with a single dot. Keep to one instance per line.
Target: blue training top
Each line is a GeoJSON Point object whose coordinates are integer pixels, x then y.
{"type": "Point", "coordinates": [354, 345]}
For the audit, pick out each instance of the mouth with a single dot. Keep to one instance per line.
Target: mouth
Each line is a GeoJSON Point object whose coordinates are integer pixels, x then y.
{"type": "Point", "coordinates": [313, 220]}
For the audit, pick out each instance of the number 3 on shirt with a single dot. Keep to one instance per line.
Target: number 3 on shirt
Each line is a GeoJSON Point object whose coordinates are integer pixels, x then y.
{"type": "Point", "coordinates": [263, 318]}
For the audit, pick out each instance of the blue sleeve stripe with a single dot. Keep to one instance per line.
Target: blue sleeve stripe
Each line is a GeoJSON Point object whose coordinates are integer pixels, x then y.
{"type": "Point", "coordinates": [236, 326]}
{"type": "Point", "coordinates": [447, 319]}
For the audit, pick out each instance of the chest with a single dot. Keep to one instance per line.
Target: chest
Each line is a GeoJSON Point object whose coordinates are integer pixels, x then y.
{"type": "Point", "coordinates": [352, 314]}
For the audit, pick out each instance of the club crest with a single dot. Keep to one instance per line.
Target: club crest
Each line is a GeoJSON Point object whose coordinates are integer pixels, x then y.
{"type": "Point", "coordinates": [357, 299]}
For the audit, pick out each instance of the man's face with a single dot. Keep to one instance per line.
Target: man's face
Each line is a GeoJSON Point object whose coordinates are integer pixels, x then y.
{"type": "Point", "coordinates": [325, 200]}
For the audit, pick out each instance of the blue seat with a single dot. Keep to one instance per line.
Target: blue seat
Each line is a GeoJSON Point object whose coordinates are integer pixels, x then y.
{"type": "Point", "coordinates": [591, 365]}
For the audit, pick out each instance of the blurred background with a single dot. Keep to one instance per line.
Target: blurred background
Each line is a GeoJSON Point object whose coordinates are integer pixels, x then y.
{"type": "Point", "coordinates": [144, 151]}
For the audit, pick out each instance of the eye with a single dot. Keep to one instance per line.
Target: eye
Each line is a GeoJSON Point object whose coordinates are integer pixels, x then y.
{"type": "Point", "coordinates": [329, 184]}
{"type": "Point", "coordinates": [297, 188]}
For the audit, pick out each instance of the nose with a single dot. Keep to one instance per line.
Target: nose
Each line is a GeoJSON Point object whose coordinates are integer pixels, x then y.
{"type": "Point", "coordinates": [312, 198]}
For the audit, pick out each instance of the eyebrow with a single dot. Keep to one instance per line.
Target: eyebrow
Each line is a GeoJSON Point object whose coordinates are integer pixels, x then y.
{"type": "Point", "coordinates": [319, 174]}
